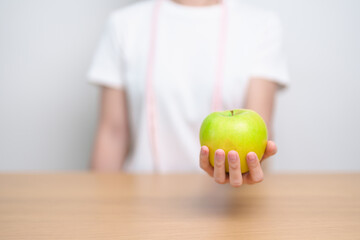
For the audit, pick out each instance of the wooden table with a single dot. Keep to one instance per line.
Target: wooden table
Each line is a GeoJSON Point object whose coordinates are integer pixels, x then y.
{"type": "Point", "coordinates": [115, 206]}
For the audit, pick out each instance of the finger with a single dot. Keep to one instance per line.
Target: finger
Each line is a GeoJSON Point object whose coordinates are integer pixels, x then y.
{"type": "Point", "coordinates": [204, 161]}
{"type": "Point", "coordinates": [256, 174]}
{"type": "Point", "coordinates": [235, 176]}
{"type": "Point", "coordinates": [219, 166]}
{"type": "Point", "coordinates": [270, 150]}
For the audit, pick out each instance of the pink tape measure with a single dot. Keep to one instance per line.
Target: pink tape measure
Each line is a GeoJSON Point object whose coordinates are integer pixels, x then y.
{"type": "Point", "coordinates": [150, 98]}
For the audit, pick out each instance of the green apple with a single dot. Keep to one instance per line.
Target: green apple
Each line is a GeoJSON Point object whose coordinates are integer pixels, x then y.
{"type": "Point", "coordinates": [241, 130]}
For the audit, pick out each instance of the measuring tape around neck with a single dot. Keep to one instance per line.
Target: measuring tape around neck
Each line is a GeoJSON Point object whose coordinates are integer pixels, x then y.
{"type": "Point", "coordinates": [150, 98]}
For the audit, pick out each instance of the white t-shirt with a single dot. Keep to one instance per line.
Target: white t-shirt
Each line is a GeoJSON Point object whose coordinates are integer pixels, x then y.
{"type": "Point", "coordinates": [184, 71]}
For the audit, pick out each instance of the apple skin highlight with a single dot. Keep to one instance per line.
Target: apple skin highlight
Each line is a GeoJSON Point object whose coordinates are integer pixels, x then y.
{"type": "Point", "coordinates": [242, 130]}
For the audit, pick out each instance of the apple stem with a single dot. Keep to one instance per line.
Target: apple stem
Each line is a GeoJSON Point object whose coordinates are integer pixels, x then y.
{"type": "Point", "coordinates": [232, 112]}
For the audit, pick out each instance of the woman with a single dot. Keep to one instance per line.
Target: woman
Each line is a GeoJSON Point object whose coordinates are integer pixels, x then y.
{"type": "Point", "coordinates": [164, 64]}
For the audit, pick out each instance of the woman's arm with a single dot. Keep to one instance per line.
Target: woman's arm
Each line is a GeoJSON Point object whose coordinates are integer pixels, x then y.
{"type": "Point", "coordinates": [260, 97]}
{"type": "Point", "coordinates": [112, 138]}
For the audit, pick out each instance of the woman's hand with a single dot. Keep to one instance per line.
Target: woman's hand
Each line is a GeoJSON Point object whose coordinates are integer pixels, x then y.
{"type": "Point", "coordinates": [235, 177]}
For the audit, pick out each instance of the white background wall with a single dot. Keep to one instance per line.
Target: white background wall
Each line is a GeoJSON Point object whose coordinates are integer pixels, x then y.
{"type": "Point", "coordinates": [48, 111]}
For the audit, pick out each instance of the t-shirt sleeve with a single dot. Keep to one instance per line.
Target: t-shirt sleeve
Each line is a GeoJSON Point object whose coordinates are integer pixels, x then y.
{"type": "Point", "coordinates": [106, 66]}
{"type": "Point", "coordinates": [269, 60]}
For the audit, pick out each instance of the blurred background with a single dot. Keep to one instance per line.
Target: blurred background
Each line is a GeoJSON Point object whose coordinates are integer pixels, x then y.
{"type": "Point", "coordinates": [48, 111]}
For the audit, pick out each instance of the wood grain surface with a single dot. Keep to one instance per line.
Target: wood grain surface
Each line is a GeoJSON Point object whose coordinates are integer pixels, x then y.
{"type": "Point", "coordinates": [117, 206]}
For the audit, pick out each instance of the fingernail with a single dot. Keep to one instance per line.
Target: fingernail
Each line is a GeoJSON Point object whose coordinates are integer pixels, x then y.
{"type": "Point", "coordinates": [232, 158]}
{"type": "Point", "coordinates": [252, 157]}
{"type": "Point", "coordinates": [219, 154]}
